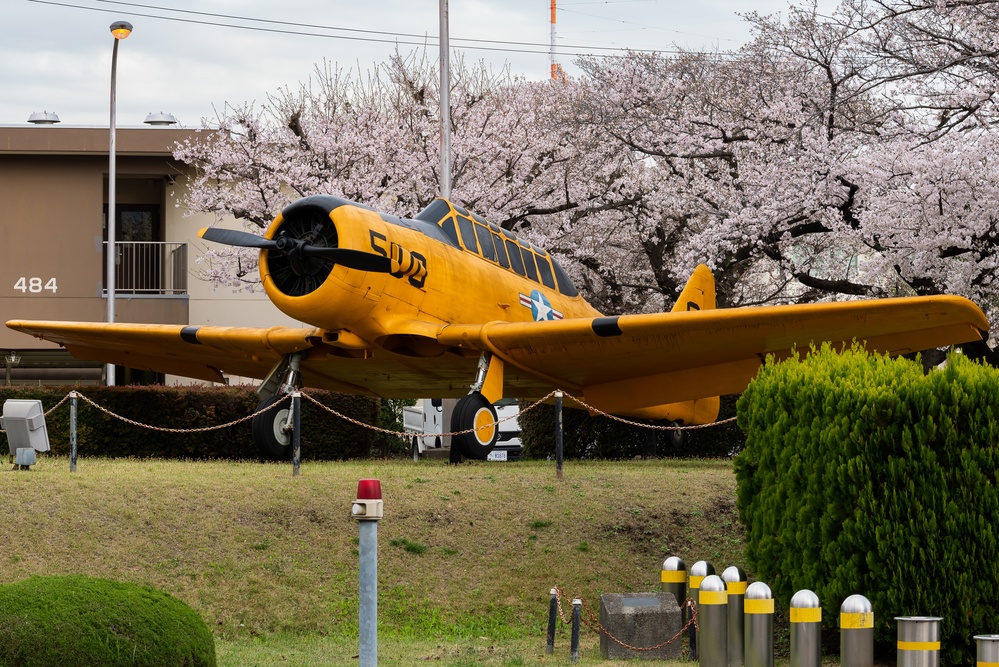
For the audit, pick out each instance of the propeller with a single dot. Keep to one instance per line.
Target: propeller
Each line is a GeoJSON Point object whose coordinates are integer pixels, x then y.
{"type": "Point", "coordinates": [295, 248]}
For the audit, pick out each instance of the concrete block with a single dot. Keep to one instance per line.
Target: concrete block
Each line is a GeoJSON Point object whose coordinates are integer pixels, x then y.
{"type": "Point", "coordinates": [641, 620]}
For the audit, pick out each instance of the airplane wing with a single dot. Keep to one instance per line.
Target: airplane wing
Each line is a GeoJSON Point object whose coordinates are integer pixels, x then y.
{"type": "Point", "coordinates": [621, 363]}
{"type": "Point", "coordinates": [618, 364]}
{"type": "Point", "coordinates": [212, 352]}
{"type": "Point", "coordinates": [206, 353]}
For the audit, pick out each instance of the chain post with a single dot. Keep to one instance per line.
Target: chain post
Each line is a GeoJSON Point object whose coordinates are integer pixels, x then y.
{"type": "Point", "coordinates": [577, 605]}
{"type": "Point", "coordinates": [552, 611]}
{"type": "Point", "coordinates": [72, 430]}
{"type": "Point", "coordinates": [558, 434]}
{"type": "Point", "coordinates": [296, 434]}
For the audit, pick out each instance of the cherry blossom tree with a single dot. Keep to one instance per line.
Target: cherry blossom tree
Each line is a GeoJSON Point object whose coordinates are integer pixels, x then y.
{"type": "Point", "coordinates": [842, 155]}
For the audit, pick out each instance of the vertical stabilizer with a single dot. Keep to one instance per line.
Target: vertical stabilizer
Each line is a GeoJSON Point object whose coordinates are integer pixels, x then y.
{"type": "Point", "coordinates": [699, 293]}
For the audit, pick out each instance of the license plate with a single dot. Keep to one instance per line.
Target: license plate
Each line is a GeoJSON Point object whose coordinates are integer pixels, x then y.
{"type": "Point", "coordinates": [496, 455]}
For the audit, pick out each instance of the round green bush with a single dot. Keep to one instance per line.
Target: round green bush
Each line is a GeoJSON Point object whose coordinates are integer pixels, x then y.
{"type": "Point", "coordinates": [84, 622]}
{"type": "Point", "coordinates": [860, 474]}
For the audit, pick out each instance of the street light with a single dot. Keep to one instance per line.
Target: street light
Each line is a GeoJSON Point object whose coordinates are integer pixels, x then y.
{"type": "Point", "coordinates": [120, 30]}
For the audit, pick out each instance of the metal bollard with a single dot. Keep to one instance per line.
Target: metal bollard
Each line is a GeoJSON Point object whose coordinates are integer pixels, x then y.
{"type": "Point", "coordinates": [988, 650]}
{"type": "Point", "coordinates": [698, 571]}
{"type": "Point", "coordinates": [806, 630]}
{"type": "Point", "coordinates": [713, 609]}
{"type": "Point", "coordinates": [577, 606]}
{"type": "Point", "coordinates": [856, 632]}
{"type": "Point", "coordinates": [674, 580]}
{"type": "Point", "coordinates": [552, 618]}
{"type": "Point", "coordinates": [918, 641]}
{"type": "Point", "coordinates": [759, 626]}
{"type": "Point", "coordinates": [735, 584]}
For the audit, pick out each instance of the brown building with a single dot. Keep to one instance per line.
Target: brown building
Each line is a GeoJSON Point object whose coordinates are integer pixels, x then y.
{"type": "Point", "coordinates": [54, 189]}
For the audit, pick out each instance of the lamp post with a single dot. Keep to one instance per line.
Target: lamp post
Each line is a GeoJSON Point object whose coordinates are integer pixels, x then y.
{"type": "Point", "coordinates": [120, 30]}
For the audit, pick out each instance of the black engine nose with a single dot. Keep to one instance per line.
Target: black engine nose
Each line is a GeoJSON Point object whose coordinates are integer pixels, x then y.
{"type": "Point", "coordinates": [294, 273]}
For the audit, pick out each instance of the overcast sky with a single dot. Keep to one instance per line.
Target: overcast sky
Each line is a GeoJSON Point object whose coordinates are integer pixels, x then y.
{"type": "Point", "coordinates": [185, 58]}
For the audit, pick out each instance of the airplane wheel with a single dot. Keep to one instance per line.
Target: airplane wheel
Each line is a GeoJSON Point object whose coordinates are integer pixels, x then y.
{"type": "Point", "coordinates": [676, 438]}
{"type": "Point", "coordinates": [474, 411]}
{"type": "Point", "coordinates": [271, 440]}
{"type": "Point", "coordinates": [416, 448]}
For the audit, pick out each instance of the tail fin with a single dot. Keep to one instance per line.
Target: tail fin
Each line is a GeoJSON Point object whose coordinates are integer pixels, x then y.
{"type": "Point", "coordinates": [699, 293]}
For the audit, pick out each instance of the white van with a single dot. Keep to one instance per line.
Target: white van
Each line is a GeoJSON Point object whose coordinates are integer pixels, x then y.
{"type": "Point", "coordinates": [431, 417]}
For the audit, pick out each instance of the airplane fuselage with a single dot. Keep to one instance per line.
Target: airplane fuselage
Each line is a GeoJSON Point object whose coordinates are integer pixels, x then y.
{"type": "Point", "coordinates": [449, 266]}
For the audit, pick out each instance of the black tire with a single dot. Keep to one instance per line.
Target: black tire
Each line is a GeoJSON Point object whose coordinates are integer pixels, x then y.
{"type": "Point", "coordinates": [474, 411]}
{"type": "Point", "coordinates": [416, 448]}
{"type": "Point", "coordinates": [272, 442]}
{"type": "Point", "coordinates": [675, 437]}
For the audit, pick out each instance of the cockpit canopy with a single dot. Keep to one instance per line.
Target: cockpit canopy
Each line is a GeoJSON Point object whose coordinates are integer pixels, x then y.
{"type": "Point", "coordinates": [475, 234]}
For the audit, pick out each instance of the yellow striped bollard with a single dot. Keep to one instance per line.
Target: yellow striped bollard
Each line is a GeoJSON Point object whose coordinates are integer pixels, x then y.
{"type": "Point", "coordinates": [856, 632]}
{"type": "Point", "coordinates": [988, 650]}
{"type": "Point", "coordinates": [674, 580]}
{"type": "Point", "coordinates": [759, 626]}
{"type": "Point", "coordinates": [918, 641]}
{"type": "Point", "coordinates": [712, 607]}
{"type": "Point", "coordinates": [735, 585]}
{"type": "Point", "coordinates": [806, 630]}
{"type": "Point", "coordinates": [698, 571]}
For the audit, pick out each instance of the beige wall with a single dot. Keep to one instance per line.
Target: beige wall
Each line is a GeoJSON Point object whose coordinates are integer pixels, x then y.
{"type": "Point", "coordinates": [53, 188]}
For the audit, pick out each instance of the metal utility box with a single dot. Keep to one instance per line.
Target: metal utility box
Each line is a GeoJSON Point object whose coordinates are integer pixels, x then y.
{"type": "Point", "coordinates": [24, 421]}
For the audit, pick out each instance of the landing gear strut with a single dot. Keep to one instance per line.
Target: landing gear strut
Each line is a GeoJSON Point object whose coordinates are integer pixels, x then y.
{"type": "Point", "coordinates": [272, 428]}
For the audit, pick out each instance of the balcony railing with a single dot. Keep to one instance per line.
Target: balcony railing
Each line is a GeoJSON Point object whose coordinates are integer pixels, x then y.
{"type": "Point", "coordinates": [149, 267]}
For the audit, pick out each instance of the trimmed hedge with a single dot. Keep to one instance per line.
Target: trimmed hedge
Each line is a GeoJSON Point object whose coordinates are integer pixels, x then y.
{"type": "Point", "coordinates": [86, 622]}
{"type": "Point", "coordinates": [599, 437]}
{"type": "Point", "coordinates": [862, 475]}
{"type": "Point", "coordinates": [324, 436]}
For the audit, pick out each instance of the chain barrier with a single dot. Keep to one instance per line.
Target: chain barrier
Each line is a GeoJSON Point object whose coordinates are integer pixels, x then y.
{"type": "Point", "coordinates": [593, 622]}
{"type": "Point", "coordinates": [408, 434]}
{"type": "Point", "coordinates": [165, 429]}
{"type": "Point", "coordinates": [401, 434]}
{"type": "Point", "coordinates": [657, 427]}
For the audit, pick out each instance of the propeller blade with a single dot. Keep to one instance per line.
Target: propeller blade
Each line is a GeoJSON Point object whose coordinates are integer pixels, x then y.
{"type": "Point", "coordinates": [352, 259]}
{"type": "Point", "coordinates": [236, 238]}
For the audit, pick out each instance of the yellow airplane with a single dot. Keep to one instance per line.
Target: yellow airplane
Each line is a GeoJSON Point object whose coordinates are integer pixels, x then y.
{"type": "Point", "coordinates": [449, 305]}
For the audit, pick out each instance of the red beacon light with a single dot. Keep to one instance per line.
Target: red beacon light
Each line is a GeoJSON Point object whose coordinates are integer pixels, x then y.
{"type": "Point", "coordinates": [369, 489]}
{"type": "Point", "coordinates": [368, 505]}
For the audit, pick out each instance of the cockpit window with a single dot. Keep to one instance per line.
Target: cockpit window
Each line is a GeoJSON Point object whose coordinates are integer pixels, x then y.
{"type": "Point", "coordinates": [467, 234]}
{"type": "Point", "coordinates": [485, 242]}
{"type": "Point", "coordinates": [501, 251]}
{"type": "Point", "coordinates": [565, 284]}
{"type": "Point", "coordinates": [447, 225]}
{"type": "Point", "coordinates": [545, 271]}
{"type": "Point", "coordinates": [436, 212]}
{"type": "Point", "coordinates": [516, 261]}
{"type": "Point", "coordinates": [532, 269]}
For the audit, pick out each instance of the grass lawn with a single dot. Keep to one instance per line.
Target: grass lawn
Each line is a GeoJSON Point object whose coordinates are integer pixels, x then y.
{"type": "Point", "coordinates": [467, 554]}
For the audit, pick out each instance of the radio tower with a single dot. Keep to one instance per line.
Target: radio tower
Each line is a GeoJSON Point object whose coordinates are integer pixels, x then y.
{"type": "Point", "coordinates": [557, 72]}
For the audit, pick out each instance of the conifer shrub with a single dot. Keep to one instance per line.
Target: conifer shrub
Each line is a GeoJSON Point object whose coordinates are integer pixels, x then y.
{"type": "Point", "coordinates": [86, 622]}
{"type": "Point", "coordinates": [860, 474]}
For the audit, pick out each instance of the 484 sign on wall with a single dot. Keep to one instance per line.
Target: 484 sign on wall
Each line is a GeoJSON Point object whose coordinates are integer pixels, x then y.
{"type": "Point", "coordinates": [35, 285]}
